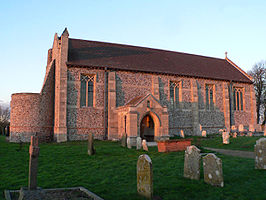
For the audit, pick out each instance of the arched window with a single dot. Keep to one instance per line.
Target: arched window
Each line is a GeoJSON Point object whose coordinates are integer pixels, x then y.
{"type": "Point", "coordinates": [86, 90]}
{"type": "Point", "coordinates": [209, 89]}
{"type": "Point", "coordinates": [238, 98]}
{"type": "Point", "coordinates": [175, 91]}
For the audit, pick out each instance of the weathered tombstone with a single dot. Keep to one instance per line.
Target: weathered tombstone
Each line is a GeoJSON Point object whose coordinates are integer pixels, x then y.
{"type": "Point", "coordinates": [91, 149]}
{"type": "Point", "coordinates": [124, 140]}
{"type": "Point", "coordinates": [182, 135]}
{"type": "Point", "coordinates": [128, 143]}
{"type": "Point", "coordinates": [251, 128]}
{"type": "Point", "coordinates": [139, 145]}
{"type": "Point", "coordinates": [221, 131]}
{"type": "Point", "coordinates": [260, 154]}
{"type": "Point", "coordinates": [200, 127]}
{"type": "Point", "coordinates": [192, 163]}
{"type": "Point", "coordinates": [144, 145]}
{"type": "Point", "coordinates": [213, 171]}
{"type": "Point", "coordinates": [204, 134]}
{"type": "Point", "coordinates": [264, 131]}
{"type": "Point", "coordinates": [241, 128]}
{"type": "Point", "coordinates": [144, 176]}
{"type": "Point", "coordinates": [226, 138]}
{"type": "Point", "coordinates": [33, 163]}
{"type": "Point", "coordinates": [233, 128]}
{"type": "Point", "coordinates": [250, 134]}
{"type": "Point", "coordinates": [234, 135]}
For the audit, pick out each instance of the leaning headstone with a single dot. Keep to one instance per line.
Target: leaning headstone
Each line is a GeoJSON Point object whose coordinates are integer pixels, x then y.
{"type": "Point", "coordinates": [182, 135]}
{"type": "Point", "coordinates": [139, 145]}
{"type": "Point", "coordinates": [226, 138]}
{"type": "Point", "coordinates": [213, 171]}
{"type": "Point", "coordinates": [204, 134]}
{"type": "Point", "coordinates": [128, 143]}
{"type": "Point", "coordinates": [144, 176]}
{"type": "Point", "coordinates": [260, 154]}
{"type": "Point", "coordinates": [192, 163]}
{"type": "Point", "coordinates": [124, 140]}
{"type": "Point", "coordinates": [33, 163]}
{"type": "Point", "coordinates": [144, 145]}
{"type": "Point", "coordinates": [91, 149]}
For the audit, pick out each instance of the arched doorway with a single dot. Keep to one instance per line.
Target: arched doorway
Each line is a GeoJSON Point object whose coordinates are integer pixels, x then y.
{"type": "Point", "coordinates": [147, 128]}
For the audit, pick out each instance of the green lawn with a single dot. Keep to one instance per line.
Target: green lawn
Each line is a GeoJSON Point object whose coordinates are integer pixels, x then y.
{"type": "Point", "coordinates": [111, 173]}
{"type": "Point", "coordinates": [240, 143]}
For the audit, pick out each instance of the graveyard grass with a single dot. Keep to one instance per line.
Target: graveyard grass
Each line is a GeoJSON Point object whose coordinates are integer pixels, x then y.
{"type": "Point", "coordinates": [240, 143]}
{"type": "Point", "coordinates": [111, 172]}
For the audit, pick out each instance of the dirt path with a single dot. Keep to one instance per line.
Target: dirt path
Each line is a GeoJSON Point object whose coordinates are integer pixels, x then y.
{"type": "Point", "coordinates": [243, 154]}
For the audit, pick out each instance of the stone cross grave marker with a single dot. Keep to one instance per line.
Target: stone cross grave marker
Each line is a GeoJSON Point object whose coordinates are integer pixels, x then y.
{"type": "Point", "coordinates": [139, 145]}
{"type": "Point", "coordinates": [226, 137]}
{"type": "Point", "coordinates": [145, 176]}
{"type": "Point", "coordinates": [144, 145]}
{"type": "Point", "coordinates": [182, 135]}
{"type": "Point", "coordinates": [124, 140]}
{"type": "Point", "coordinates": [260, 154]}
{"type": "Point", "coordinates": [33, 163]}
{"type": "Point", "coordinates": [192, 163]}
{"type": "Point", "coordinates": [203, 133]}
{"type": "Point", "coordinates": [213, 171]}
{"type": "Point", "coordinates": [91, 149]}
{"type": "Point", "coordinates": [128, 143]}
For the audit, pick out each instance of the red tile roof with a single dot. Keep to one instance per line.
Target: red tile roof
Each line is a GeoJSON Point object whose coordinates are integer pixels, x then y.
{"type": "Point", "coordinates": [124, 57]}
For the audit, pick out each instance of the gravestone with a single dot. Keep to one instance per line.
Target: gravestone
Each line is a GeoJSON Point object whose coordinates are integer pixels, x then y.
{"type": "Point", "coordinates": [204, 134]}
{"type": "Point", "coordinates": [33, 163]}
{"type": "Point", "coordinates": [91, 149]}
{"type": "Point", "coordinates": [264, 130]}
{"type": "Point", "coordinates": [200, 127]}
{"type": "Point", "coordinates": [226, 138]}
{"type": "Point", "coordinates": [124, 140]}
{"type": "Point", "coordinates": [234, 135]}
{"type": "Point", "coordinates": [233, 128]}
{"type": "Point", "coordinates": [213, 171]}
{"type": "Point", "coordinates": [182, 135]}
{"type": "Point", "coordinates": [128, 143]}
{"type": "Point", "coordinates": [241, 128]}
{"type": "Point", "coordinates": [251, 128]}
{"type": "Point", "coordinates": [144, 145]}
{"type": "Point", "coordinates": [250, 134]}
{"type": "Point", "coordinates": [260, 154]}
{"type": "Point", "coordinates": [139, 141]}
{"type": "Point", "coordinates": [192, 163]}
{"type": "Point", "coordinates": [221, 131]}
{"type": "Point", "coordinates": [144, 176]}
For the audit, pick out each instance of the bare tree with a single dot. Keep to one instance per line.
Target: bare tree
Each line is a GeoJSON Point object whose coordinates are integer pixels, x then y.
{"type": "Point", "coordinates": [258, 74]}
{"type": "Point", "coordinates": [4, 117]}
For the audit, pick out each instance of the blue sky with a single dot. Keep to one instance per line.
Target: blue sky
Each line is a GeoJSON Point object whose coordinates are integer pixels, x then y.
{"type": "Point", "coordinates": [205, 27]}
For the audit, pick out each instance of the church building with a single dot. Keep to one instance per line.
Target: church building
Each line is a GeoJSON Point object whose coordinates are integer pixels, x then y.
{"type": "Point", "coordinates": [112, 89]}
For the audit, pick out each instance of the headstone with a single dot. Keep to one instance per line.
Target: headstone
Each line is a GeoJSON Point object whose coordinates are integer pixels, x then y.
{"type": "Point", "coordinates": [182, 135]}
{"type": "Point", "coordinates": [33, 163]}
{"type": "Point", "coordinates": [200, 127]}
{"type": "Point", "coordinates": [139, 145]}
{"type": "Point", "coordinates": [204, 134]}
{"type": "Point", "coordinates": [234, 135]}
{"type": "Point", "coordinates": [213, 171]}
{"type": "Point", "coordinates": [221, 131]}
{"type": "Point", "coordinates": [264, 130]}
{"type": "Point", "coordinates": [260, 154]}
{"type": "Point", "coordinates": [144, 176]}
{"type": "Point", "coordinates": [233, 128]}
{"type": "Point", "coordinates": [241, 128]}
{"type": "Point", "coordinates": [226, 137]}
{"type": "Point", "coordinates": [251, 128]}
{"type": "Point", "coordinates": [124, 140]}
{"type": "Point", "coordinates": [128, 143]}
{"type": "Point", "coordinates": [192, 163]}
{"type": "Point", "coordinates": [144, 145]}
{"type": "Point", "coordinates": [91, 149]}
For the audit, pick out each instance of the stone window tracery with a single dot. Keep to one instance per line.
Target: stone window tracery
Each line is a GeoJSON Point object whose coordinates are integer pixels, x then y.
{"type": "Point", "coordinates": [175, 92]}
{"type": "Point", "coordinates": [238, 98]}
{"type": "Point", "coordinates": [87, 90]}
{"type": "Point", "coordinates": [209, 89]}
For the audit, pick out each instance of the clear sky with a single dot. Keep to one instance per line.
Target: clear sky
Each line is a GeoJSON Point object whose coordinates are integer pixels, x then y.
{"type": "Point", "coordinates": [203, 27]}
